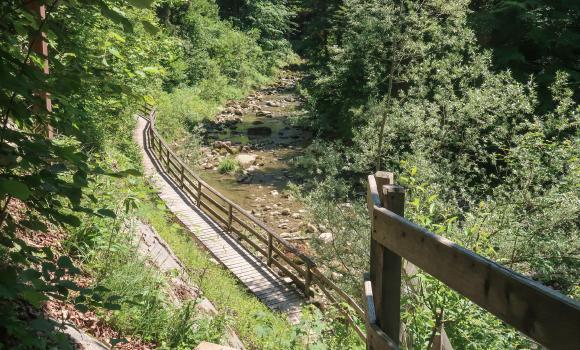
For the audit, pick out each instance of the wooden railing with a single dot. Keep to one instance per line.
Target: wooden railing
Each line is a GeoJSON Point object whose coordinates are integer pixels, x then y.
{"type": "Point", "coordinates": [544, 315]}
{"type": "Point", "coordinates": [242, 225]}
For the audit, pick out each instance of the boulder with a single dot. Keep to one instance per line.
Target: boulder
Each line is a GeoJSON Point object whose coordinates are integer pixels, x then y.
{"type": "Point", "coordinates": [246, 160]}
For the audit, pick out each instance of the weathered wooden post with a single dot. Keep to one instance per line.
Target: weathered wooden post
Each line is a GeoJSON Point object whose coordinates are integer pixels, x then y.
{"type": "Point", "coordinates": [307, 280]}
{"type": "Point", "coordinates": [230, 217]}
{"type": "Point", "coordinates": [39, 45]}
{"type": "Point", "coordinates": [270, 246]}
{"type": "Point", "coordinates": [385, 265]}
{"type": "Point", "coordinates": [199, 193]}
{"type": "Point", "coordinates": [181, 175]}
{"type": "Point", "coordinates": [167, 161]}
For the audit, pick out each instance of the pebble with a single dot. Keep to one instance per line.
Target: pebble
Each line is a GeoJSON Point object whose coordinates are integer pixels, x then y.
{"type": "Point", "coordinates": [311, 228]}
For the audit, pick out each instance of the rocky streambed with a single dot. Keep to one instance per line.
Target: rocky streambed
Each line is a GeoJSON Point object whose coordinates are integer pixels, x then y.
{"type": "Point", "coordinates": [259, 133]}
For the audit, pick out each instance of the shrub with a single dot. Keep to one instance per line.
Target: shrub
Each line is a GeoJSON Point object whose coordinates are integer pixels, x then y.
{"type": "Point", "coordinates": [228, 166]}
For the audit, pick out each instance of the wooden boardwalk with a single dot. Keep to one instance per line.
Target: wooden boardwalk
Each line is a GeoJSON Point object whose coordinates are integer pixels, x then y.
{"type": "Point", "coordinates": [264, 283]}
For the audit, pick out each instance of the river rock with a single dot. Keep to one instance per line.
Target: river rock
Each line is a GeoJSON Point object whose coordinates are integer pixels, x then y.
{"type": "Point", "coordinates": [260, 131]}
{"type": "Point", "coordinates": [326, 237]}
{"type": "Point", "coordinates": [295, 216]}
{"type": "Point", "coordinates": [311, 228]}
{"type": "Point", "coordinates": [335, 275]}
{"type": "Point", "coordinates": [246, 160]}
{"type": "Point", "coordinates": [285, 212]}
{"type": "Point", "coordinates": [266, 114]}
{"type": "Point", "coordinates": [206, 307]}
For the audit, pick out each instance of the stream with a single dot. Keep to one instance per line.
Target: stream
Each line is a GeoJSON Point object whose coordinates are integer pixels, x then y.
{"type": "Point", "coordinates": [259, 133]}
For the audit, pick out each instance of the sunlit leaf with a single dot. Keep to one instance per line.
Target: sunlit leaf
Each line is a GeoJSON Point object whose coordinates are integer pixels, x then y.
{"type": "Point", "coordinates": [14, 188]}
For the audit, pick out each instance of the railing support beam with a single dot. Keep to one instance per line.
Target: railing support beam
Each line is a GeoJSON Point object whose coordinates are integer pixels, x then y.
{"type": "Point", "coordinates": [269, 251]}
{"type": "Point", "coordinates": [307, 281]}
{"type": "Point", "coordinates": [385, 265]}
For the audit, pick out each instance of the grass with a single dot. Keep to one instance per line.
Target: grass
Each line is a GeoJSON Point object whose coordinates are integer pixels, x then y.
{"type": "Point", "coordinates": [147, 313]}
{"type": "Point", "coordinates": [228, 165]}
{"type": "Point", "coordinates": [257, 326]}
{"type": "Point", "coordinates": [108, 254]}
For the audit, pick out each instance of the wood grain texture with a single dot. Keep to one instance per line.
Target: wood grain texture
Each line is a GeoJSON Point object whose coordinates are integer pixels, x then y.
{"type": "Point", "coordinates": [541, 313]}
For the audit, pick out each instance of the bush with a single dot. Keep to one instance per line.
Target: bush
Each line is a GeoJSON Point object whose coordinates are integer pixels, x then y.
{"type": "Point", "coordinates": [228, 166]}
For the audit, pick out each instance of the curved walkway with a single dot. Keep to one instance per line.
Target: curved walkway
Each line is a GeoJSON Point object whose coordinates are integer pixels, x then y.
{"type": "Point", "coordinates": [264, 283]}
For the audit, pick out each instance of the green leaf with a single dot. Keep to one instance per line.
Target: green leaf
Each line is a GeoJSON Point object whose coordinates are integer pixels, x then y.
{"type": "Point", "coordinates": [115, 341]}
{"type": "Point", "coordinates": [65, 262]}
{"type": "Point", "coordinates": [80, 178]}
{"type": "Point", "coordinates": [81, 307]}
{"type": "Point", "coordinates": [111, 306]}
{"type": "Point", "coordinates": [68, 285]}
{"type": "Point", "coordinates": [142, 4]}
{"type": "Point", "coordinates": [34, 224]}
{"type": "Point", "coordinates": [150, 27]}
{"type": "Point", "coordinates": [41, 324]}
{"type": "Point", "coordinates": [33, 297]}
{"type": "Point", "coordinates": [15, 189]}
{"type": "Point", "coordinates": [107, 212]}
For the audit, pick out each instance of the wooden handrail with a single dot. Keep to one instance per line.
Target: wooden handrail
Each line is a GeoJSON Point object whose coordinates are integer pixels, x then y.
{"type": "Point", "coordinates": [291, 248]}
{"type": "Point", "coordinates": [546, 316]}
{"type": "Point", "coordinates": [275, 247]}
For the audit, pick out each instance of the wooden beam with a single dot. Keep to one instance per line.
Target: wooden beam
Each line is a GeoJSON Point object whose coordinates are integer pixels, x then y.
{"type": "Point", "coordinates": [539, 312]}
{"type": "Point", "coordinates": [389, 314]}
{"type": "Point", "coordinates": [39, 46]}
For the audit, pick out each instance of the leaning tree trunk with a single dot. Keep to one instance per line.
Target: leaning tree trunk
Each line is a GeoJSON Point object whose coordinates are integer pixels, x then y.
{"type": "Point", "coordinates": [384, 119]}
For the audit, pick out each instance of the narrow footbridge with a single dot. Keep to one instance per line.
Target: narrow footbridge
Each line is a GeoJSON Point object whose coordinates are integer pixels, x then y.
{"type": "Point", "coordinates": [284, 278]}
{"type": "Point", "coordinates": [275, 271]}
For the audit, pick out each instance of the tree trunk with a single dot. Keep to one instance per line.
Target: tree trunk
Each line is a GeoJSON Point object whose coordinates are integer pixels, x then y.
{"type": "Point", "coordinates": [384, 120]}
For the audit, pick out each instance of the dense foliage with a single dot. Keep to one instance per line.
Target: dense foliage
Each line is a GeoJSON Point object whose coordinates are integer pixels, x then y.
{"type": "Point", "coordinates": [531, 37]}
{"type": "Point", "coordinates": [473, 105]}
{"type": "Point", "coordinates": [106, 59]}
{"type": "Point", "coordinates": [489, 158]}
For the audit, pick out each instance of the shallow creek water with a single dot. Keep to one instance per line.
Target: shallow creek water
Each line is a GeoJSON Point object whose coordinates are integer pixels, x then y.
{"type": "Point", "coordinates": [261, 126]}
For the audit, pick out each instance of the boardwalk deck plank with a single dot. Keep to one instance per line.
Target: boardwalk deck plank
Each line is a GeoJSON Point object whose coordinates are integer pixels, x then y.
{"type": "Point", "coordinates": [268, 287]}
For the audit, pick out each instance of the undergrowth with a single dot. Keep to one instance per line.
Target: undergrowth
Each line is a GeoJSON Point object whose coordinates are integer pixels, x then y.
{"type": "Point", "coordinates": [228, 165]}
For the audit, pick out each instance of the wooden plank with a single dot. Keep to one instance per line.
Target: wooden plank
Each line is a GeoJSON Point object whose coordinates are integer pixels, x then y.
{"type": "Point", "coordinates": [543, 314]}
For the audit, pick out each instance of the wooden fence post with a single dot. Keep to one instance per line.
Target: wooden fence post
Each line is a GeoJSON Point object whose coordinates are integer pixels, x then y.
{"type": "Point", "coordinates": [307, 281]}
{"type": "Point", "coordinates": [230, 217]}
{"type": "Point", "coordinates": [199, 193]}
{"type": "Point", "coordinates": [270, 246]}
{"type": "Point", "coordinates": [39, 45]}
{"type": "Point", "coordinates": [167, 161]}
{"type": "Point", "coordinates": [181, 175]}
{"type": "Point", "coordinates": [385, 266]}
